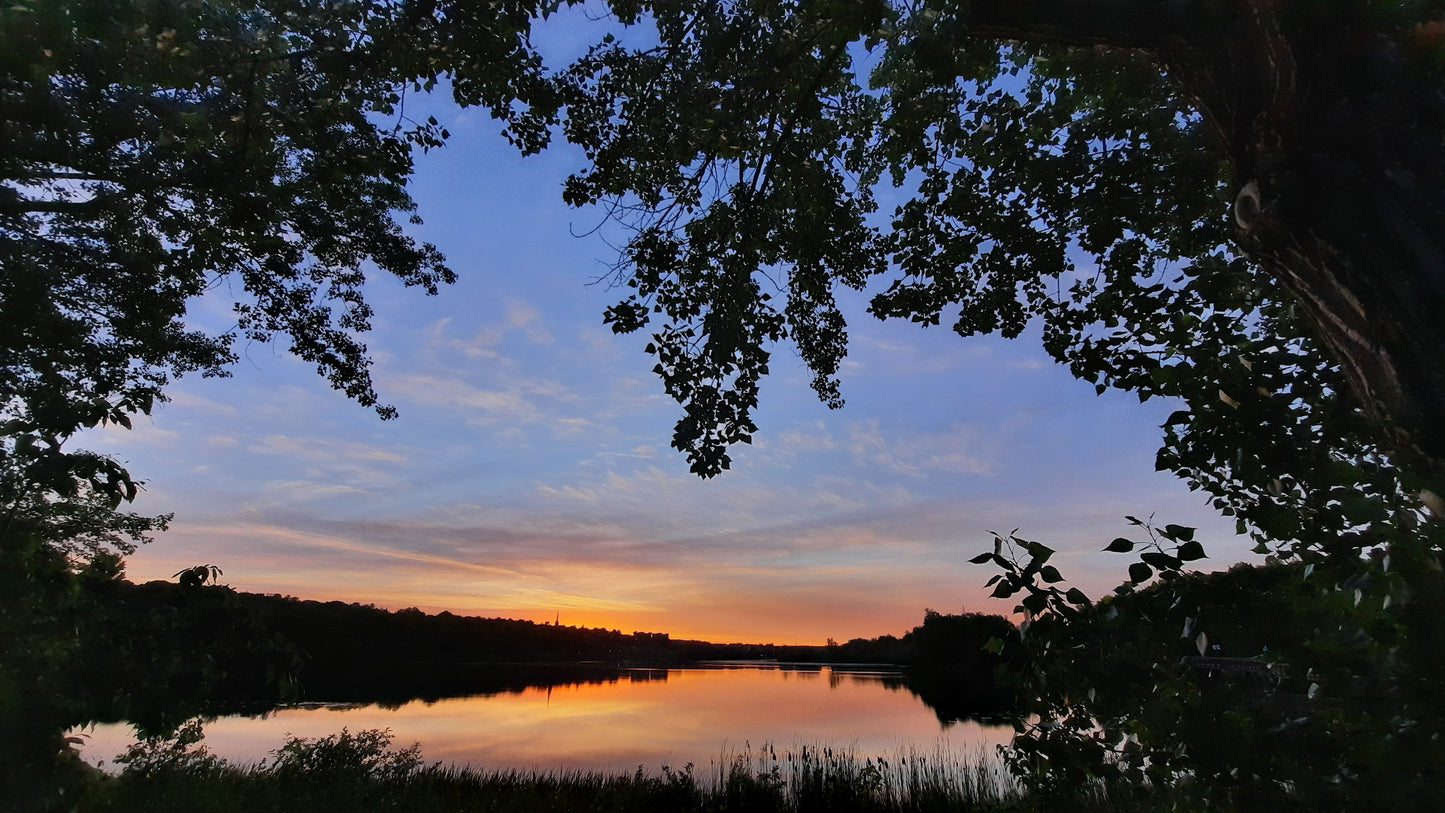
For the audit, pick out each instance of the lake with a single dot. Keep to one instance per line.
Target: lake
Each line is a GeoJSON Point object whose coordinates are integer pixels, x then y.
{"type": "Point", "coordinates": [626, 719]}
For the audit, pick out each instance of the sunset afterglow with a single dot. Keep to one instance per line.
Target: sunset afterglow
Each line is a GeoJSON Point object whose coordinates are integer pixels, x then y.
{"type": "Point", "coordinates": [529, 473]}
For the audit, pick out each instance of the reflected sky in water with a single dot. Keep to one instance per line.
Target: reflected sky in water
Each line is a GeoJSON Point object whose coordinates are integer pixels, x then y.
{"type": "Point", "coordinates": [646, 718]}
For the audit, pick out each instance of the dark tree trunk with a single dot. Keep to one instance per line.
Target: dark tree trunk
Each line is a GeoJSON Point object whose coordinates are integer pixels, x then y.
{"type": "Point", "coordinates": [1336, 127]}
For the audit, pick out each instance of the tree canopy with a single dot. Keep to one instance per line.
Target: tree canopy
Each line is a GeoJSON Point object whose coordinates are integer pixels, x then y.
{"type": "Point", "coordinates": [155, 151]}
{"type": "Point", "coordinates": [1086, 167]}
{"type": "Point", "coordinates": [745, 149]}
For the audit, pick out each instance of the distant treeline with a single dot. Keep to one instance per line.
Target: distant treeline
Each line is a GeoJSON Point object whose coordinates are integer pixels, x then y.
{"type": "Point", "coordinates": [165, 641]}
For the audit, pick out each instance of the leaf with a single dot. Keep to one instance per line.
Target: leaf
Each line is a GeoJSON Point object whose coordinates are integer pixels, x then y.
{"type": "Point", "coordinates": [980, 559]}
{"type": "Point", "coordinates": [1177, 533]}
{"type": "Point", "coordinates": [1191, 551]}
{"type": "Point", "coordinates": [1051, 574]}
{"type": "Point", "coordinates": [1036, 602]}
{"type": "Point", "coordinates": [1201, 643]}
{"type": "Point", "coordinates": [1140, 572]}
{"type": "Point", "coordinates": [1076, 596]}
{"type": "Point", "coordinates": [1040, 553]}
{"type": "Point", "coordinates": [1120, 545]}
{"type": "Point", "coordinates": [1160, 561]}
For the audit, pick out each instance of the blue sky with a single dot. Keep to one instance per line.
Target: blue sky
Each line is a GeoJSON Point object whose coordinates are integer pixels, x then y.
{"type": "Point", "coordinates": [529, 473]}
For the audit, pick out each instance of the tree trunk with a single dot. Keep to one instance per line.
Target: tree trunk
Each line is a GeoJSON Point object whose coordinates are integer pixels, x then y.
{"type": "Point", "coordinates": [1336, 127]}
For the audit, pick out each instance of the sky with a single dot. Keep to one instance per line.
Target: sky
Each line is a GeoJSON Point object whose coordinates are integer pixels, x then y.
{"type": "Point", "coordinates": [529, 473]}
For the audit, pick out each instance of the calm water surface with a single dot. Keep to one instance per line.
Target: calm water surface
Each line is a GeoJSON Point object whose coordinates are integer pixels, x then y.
{"type": "Point", "coordinates": [646, 718]}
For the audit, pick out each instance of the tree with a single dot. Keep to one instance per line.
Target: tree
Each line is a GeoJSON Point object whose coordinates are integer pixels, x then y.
{"type": "Point", "coordinates": [1330, 114]}
{"type": "Point", "coordinates": [1076, 189]}
{"type": "Point", "coordinates": [743, 149]}
{"type": "Point", "coordinates": [154, 151]}
{"type": "Point", "coordinates": [150, 152]}
{"type": "Point", "coordinates": [161, 149]}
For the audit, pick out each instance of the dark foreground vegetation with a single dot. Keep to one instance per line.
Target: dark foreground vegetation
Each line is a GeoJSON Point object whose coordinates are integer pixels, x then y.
{"type": "Point", "coordinates": [362, 771]}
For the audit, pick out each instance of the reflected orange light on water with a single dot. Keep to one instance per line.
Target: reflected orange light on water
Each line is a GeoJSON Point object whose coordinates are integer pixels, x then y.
{"type": "Point", "coordinates": [646, 718]}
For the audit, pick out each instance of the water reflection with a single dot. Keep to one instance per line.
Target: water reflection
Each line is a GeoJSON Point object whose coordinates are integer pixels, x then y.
{"type": "Point", "coordinates": [611, 719]}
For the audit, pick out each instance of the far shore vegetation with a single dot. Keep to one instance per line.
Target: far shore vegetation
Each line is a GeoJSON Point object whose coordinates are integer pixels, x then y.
{"type": "Point", "coordinates": [365, 771]}
{"type": "Point", "coordinates": [161, 652]}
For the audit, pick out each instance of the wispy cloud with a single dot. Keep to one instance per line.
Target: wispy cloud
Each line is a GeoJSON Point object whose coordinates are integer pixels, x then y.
{"type": "Point", "coordinates": [518, 317]}
{"type": "Point", "coordinates": [957, 450]}
{"type": "Point", "coordinates": [198, 404]}
{"type": "Point", "coordinates": [322, 449]}
{"type": "Point", "coordinates": [517, 400]}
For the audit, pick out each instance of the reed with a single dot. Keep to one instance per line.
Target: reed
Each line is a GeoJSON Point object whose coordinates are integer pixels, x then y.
{"type": "Point", "coordinates": [822, 777]}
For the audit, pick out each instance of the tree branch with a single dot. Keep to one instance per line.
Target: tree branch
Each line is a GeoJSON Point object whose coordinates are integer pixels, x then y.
{"type": "Point", "coordinates": [1142, 24]}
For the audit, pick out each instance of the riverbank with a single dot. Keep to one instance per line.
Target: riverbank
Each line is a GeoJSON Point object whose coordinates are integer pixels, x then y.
{"type": "Point", "coordinates": [364, 771]}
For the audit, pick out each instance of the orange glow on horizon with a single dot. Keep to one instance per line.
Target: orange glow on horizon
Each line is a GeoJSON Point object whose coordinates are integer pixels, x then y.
{"type": "Point", "coordinates": [733, 605]}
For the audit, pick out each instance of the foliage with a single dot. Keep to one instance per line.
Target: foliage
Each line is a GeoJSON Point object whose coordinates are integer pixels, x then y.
{"type": "Point", "coordinates": [1026, 180]}
{"type": "Point", "coordinates": [362, 770]}
{"type": "Point", "coordinates": [1281, 685]}
{"type": "Point", "coordinates": [1073, 191]}
{"type": "Point", "coordinates": [345, 757]}
{"type": "Point", "coordinates": [748, 148]}
{"type": "Point", "coordinates": [73, 649]}
{"type": "Point", "coordinates": [41, 607]}
{"type": "Point", "coordinates": [155, 153]}
{"type": "Point", "coordinates": [159, 151]}
{"type": "Point", "coordinates": [178, 752]}
{"type": "Point", "coordinates": [198, 575]}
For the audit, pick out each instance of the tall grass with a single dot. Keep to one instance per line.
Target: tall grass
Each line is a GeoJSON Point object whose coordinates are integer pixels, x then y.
{"type": "Point", "coordinates": [827, 778]}
{"type": "Point", "coordinates": [361, 772]}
